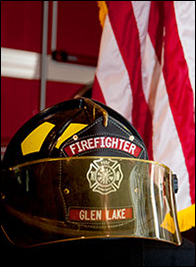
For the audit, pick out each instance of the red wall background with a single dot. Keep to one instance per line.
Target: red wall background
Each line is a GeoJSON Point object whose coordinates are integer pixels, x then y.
{"type": "Point", "coordinates": [78, 32]}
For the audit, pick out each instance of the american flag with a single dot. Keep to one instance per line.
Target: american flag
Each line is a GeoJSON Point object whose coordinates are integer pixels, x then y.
{"type": "Point", "coordinates": [146, 71]}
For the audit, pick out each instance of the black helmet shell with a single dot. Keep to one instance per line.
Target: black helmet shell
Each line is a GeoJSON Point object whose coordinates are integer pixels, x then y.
{"type": "Point", "coordinates": [74, 128]}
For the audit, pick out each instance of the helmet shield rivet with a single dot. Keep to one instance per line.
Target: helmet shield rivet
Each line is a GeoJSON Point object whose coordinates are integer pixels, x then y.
{"type": "Point", "coordinates": [66, 191]}
{"type": "Point", "coordinates": [131, 138]}
{"type": "Point", "coordinates": [75, 137]}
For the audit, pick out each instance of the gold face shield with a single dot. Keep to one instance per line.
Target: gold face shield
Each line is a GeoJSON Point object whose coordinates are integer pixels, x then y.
{"type": "Point", "coordinates": [54, 200]}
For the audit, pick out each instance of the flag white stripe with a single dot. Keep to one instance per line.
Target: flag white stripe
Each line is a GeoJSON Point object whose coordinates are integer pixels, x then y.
{"type": "Point", "coordinates": [165, 137]}
{"type": "Point", "coordinates": [112, 74]}
{"type": "Point", "coordinates": [185, 19]}
{"type": "Point", "coordinates": [141, 11]}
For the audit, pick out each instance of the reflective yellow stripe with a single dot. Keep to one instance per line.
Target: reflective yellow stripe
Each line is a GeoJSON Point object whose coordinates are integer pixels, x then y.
{"type": "Point", "coordinates": [72, 129]}
{"type": "Point", "coordinates": [33, 142]}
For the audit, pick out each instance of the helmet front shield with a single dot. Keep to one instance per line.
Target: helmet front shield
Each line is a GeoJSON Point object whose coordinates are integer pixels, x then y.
{"type": "Point", "coordinates": [53, 200]}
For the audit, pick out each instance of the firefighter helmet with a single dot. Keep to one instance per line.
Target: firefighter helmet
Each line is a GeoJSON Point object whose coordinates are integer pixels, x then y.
{"type": "Point", "coordinates": [80, 170]}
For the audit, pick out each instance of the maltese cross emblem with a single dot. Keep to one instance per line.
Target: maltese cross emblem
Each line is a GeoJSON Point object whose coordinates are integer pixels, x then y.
{"type": "Point", "coordinates": [104, 176]}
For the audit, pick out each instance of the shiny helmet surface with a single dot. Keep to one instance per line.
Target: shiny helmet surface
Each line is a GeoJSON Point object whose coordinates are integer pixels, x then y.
{"type": "Point", "coordinates": [80, 170]}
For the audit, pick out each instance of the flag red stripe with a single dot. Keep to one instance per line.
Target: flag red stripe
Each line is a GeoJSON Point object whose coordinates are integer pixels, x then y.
{"type": "Point", "coordinates": [155, 26]}
{"type": "Point", "coordinates": [123, 23]}
{"type": "Point", "coordinates": [179, 91]}
{"type": "Point", "coordinates": [177, 82]}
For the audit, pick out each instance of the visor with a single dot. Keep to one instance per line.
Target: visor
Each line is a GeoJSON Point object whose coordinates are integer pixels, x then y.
{"type": "Point", "coordinates": [55, 200]}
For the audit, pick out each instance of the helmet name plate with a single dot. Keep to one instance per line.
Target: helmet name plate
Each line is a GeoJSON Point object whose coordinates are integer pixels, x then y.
{"type": "Point", "coordinates": [82, 214]}
{"type": "Point", "coordinates": [103, 142]}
